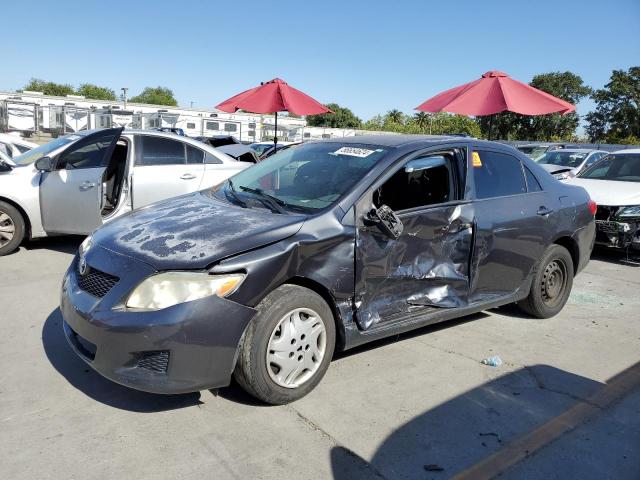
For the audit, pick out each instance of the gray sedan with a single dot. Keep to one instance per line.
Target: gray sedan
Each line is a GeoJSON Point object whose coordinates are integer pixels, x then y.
{"type": "Point", "coordinates": [75, 183]}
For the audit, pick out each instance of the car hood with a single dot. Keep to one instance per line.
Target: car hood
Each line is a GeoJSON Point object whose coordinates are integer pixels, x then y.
{"type": "Point", "coordinates": [609, 192]}
{"type": "Point", "coordinates": [193, 231]}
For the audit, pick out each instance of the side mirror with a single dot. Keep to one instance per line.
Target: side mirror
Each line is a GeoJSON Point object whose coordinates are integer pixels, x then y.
{"type": "Point", "coordinates": [424, 164]}
{"type": "Point", "coordinates": [386, 220]}
{"type": "Point", "coordinates": [44, 164]}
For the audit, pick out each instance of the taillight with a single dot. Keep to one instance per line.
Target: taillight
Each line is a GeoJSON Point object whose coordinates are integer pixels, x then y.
{"type": "Point", "coordinates": [593, 207]}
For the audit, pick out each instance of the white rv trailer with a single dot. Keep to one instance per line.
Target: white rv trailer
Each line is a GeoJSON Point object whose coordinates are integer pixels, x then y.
{"type": "Point", "coordinates": [18, 116]}
{"type": "Point", "coordinates": [33, 111]}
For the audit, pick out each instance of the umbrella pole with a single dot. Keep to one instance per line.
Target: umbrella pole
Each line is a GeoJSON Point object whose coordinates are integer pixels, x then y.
{"type": "Point", "coordinates": [275, 135]}
{"type": "Point", "coordinates": [490, 124]}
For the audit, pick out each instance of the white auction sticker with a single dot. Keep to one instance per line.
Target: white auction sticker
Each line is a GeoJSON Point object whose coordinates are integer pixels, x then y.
{"type": "Point", "coordinates": [354, 152]}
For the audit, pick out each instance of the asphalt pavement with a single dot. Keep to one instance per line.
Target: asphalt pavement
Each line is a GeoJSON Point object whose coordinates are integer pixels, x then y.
{"type": "Point", "coordinates": [564, 404]}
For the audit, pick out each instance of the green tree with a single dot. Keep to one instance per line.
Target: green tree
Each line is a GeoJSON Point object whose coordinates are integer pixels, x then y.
{"type": "Point", "coordinates": [49, 88]}
{"type": "Point", "coordinates": [511, 126]}
{"type": "Point", "coordinates": [156, 96]}
{"type": "Point", "coordinates": [617, 114]}
{"type": "Point", "coordinates": [422, 120]}
{"type": "Point", "coordinates": [436, 124]}
{"type": "Point", "coordinates": [340, 118]}
{"type": "Point", "coordinates": [89, 90]}
{"type": "Point", "coordinates": [395, 116]}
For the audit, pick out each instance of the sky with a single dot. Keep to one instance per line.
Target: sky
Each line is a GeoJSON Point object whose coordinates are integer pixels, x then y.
{"type": "Point", "coordinates": [369, 56]}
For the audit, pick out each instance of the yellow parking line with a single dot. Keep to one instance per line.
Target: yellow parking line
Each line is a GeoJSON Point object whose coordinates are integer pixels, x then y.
{"type": "Point", "coordinates": [520, 448]}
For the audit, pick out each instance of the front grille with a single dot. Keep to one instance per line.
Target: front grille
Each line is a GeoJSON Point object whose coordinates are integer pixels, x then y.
{"type": "Point", "coordinates": [156, 361]}
{"type": "Point", "coordinates": [96, 283]}
{"type": "Point", "coordinates": [607, 227]}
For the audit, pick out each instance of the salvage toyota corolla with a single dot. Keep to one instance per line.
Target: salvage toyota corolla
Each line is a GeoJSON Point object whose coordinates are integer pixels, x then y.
{"type": "Point", "coordinates": [317, 249]}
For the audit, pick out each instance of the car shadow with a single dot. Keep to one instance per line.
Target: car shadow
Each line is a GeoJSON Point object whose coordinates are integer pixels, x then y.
{"type": "Point", "coordinates": [92, 384]}
{"type": "Point", "coordinates": [481, 424]}
{"type": "Point", "coordinates": [616, 257]}
{"type": "Point", "coordinates": [63, 244]}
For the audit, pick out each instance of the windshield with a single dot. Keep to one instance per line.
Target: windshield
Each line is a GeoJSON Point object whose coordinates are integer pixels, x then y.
{"type": "Point", "coordinates": [43, 150]}
{"type": "Point", "coordinates": [260, 148]}
{"type": "Point", "coordinates": [305, 179]}
{"type": "Point", "coordinates": [563, 158]}
{"type": "Point", "coordinates": [622, 167]}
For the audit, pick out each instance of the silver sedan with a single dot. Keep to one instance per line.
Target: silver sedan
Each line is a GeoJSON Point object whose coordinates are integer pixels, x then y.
{"type": "Point", "coordinates": [75, 183]}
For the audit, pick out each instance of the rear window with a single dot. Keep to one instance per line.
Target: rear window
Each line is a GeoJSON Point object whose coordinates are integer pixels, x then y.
{"type": "Point", "coordinates": [497, 174]}
{"type": "Point", "coordinates": [161, 151]}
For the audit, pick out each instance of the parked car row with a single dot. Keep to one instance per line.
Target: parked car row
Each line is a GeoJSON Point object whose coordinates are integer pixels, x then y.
{"type": "Point", "coordinates": [261, 273]}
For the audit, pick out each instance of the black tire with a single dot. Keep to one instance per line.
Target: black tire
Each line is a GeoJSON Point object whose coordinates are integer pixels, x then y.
{"type": "Point", "coordinates": [251, 368]}
{"type": "Point", "coordinates": [17, 221]}
{"type": "Point", "coordinates": [551, 285]}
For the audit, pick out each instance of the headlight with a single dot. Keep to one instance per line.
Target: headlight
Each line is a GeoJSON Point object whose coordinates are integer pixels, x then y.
{"type": "Point", "coordinates": [167, 289]}
{"type": "Point", "coordinates": [633, 211]}
{"type": "Point", "coordinates": [85, 245]}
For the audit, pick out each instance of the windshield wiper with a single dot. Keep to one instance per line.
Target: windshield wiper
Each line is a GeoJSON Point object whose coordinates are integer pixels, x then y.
{"type": "Point", "coordinates": [232, 190]}
{"type": "Point", "coordinates": [274, 203]}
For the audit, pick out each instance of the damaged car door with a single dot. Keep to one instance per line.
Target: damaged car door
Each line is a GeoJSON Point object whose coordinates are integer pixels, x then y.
{"type": "Point", "coordinates": [422, 263]}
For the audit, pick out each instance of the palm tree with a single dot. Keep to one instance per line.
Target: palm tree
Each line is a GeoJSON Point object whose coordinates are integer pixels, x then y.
{"type": "Point", "coordinates": [422, 120]}
{"type": "Point", "coordinates": [395, 116]}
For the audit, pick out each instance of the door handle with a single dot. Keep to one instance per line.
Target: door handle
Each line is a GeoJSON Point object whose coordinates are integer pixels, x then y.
{"type": "Point", "coordinates": [187, 176]}
{"type": "Point", "coordinates": [87, 185]}
{"type": "Point", "coordinates": [544, 211]}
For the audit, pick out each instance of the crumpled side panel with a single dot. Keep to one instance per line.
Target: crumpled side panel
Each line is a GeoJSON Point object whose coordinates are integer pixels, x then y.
{"type": "Point", "coordinates": [426, 268]}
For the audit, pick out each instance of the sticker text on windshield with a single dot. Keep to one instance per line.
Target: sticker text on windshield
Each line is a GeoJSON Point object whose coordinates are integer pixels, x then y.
{"type": "Point", "coordinates": [354, 152]}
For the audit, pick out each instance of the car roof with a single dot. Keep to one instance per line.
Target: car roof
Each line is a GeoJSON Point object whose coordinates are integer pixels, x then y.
{"type": "Point", "coordinates": [628, 150]}
{"type": "Point", "coordinates": [386, 140]}
{"type": "Point", "coordinates": [575, 150]}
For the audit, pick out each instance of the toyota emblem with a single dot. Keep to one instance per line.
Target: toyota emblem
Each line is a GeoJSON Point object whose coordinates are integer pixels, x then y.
{"type": "Point", "coordinates": [82, 266]}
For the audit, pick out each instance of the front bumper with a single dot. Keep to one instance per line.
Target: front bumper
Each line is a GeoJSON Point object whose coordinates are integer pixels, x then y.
{"type": "Point", "coordinates": [618, 234]}
{"type": "Point", "coordinates": [184, 348]}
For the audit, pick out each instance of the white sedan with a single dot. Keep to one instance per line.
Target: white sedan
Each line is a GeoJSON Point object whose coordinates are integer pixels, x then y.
{"type": "Point", "coordinates": [614, 184]}
{"type": "Point", "coordinates": [75, 183]}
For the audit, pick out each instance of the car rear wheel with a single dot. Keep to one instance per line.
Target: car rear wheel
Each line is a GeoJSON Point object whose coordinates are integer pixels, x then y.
{"type": "Point", "coordinates": [11, 228]}
{"type": "Point", "coordinates": [551, 285]}
{"type": "Point", "coordinates": [287, 348]}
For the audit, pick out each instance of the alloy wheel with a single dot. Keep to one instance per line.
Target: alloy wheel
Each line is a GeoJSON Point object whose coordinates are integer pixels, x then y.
{"type": "Point", "coordinates": [7, 229]}
{"type": "Point", "coordinates": [296, 348]}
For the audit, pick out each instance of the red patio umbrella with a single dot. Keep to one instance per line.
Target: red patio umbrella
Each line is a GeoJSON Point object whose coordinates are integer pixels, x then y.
{"type": "Point", "coordinates": [272, 97]}
{"type": "Point", "coordinates": [495, 92]}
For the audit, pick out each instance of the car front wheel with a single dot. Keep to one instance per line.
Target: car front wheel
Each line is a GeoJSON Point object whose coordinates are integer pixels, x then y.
{"type": "Point", "coordinates": [12, 228]}
{"type": "Point", "coordinates": [551, 285]}
{"type": "Point", "coordinates": [288, 346]}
